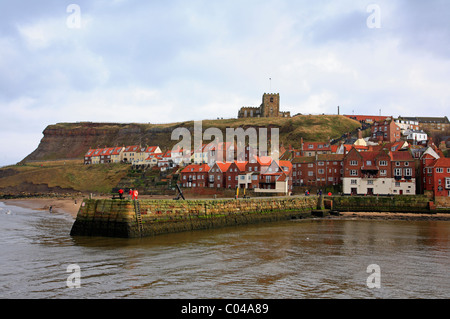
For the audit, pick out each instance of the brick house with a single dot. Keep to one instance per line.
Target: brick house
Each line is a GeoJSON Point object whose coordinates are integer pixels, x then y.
{"type": "Point", "coordinates": [232, 174]}
{"type": "Point", "coordinates": [314, 148]}
{"type": "Point", "coordinates": [304, 171]}
{"type": "Point", "coordinates": [195, 176]}
{"type": "Point", "coordinates": [320, 170]}
{"type": "Point", "coordinates": [217, 174]}
{"type": "Point", "coordinates": [329, 169]}
{"type": "Point", "coordinates": [403, 173]}
{"type": "Point", "coordinates": [385, 131]}
{"type": "Point", "coordinates": [380, 172]}
{"type": "Point", "coordinates": [435, 173]}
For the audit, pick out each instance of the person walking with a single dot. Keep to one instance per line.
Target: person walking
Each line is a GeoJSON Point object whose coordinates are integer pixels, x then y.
{"type": "Point", "coordinates": [121, 193]}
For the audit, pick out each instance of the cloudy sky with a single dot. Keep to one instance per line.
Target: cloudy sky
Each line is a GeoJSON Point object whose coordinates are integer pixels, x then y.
{"type": "Point", "coordinates": [176, 60]}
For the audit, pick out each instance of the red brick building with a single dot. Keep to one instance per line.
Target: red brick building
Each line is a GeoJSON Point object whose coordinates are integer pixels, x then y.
{"type": "Point", "coordinates": [321, 170]}
{"type": "Point", "coordinates": [382, 172]}
{"type": "Point", "coordinates": [435, 174]}
{"type": "Point", "coordinates": [385, 131]}
{"type": "Point", "coordinates": [218, 175]}
{"type": "Point", "coordinates": [195, 176]}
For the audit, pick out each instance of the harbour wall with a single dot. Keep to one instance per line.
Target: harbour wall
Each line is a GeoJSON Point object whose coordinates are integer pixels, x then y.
{"type": "Point", "coordinates": [144, 218]}
{"type": "Point", "coordinates": [392, 204]}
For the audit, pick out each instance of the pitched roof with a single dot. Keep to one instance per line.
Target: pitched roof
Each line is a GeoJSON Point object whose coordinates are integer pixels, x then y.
{"type": "Point", "coordinates": [196, 168]}
{"type": "Point", "coordinates": [442, 162]}
{"type": "Point", "coordinates": [132, 148]}
{"type": "Point", "coordinates": [223, 166]}
{"type": "Point", "coordinates": [401, 156]}
{"type": "Point", "coordinates": [151, 149]}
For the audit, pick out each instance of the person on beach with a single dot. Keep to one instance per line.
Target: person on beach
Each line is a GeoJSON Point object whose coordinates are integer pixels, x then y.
{"type": "Point", "coordinates": [121, 193]}
{"type": "Point", "coordinates": [50, 209]}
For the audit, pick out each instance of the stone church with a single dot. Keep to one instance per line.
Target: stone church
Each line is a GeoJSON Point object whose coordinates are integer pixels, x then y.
{"type": "Point", "coordinates": [270, 107]}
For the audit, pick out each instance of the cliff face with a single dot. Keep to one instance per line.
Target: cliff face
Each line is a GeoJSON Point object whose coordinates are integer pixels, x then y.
{"type": "Point", "coordinates": [67, 141]}
{"type": "Point", "coordinates": [72, 140]}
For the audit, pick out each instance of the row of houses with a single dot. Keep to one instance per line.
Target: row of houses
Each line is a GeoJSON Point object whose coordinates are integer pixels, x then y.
{"type": "Point", "coordinates": [261, 174]}
{"type": "Point", "coordinates": [134, 154]}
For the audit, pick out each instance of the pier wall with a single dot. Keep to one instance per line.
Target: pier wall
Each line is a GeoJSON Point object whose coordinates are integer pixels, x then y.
{"type": "Point", "coordinates": [130, 219]}
{"type": "Point", "coordinates": [120, 218]}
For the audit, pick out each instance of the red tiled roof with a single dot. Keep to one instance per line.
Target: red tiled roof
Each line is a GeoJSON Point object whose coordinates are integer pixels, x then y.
{"type": "Point", "coordinates": [196, 168]}
{"type": "Point", "coordinates": [151, 149]}
{"type": "Point", "coordinates": [241, 165]}
{"type": "Point", "coordinates": [401, 156]}
{"type": "Point", "coordinates": [132, 148]}
{"type": "Point", "coordinates": [442, 162]}
{"type": "Point", "coordinates": [223, 166]}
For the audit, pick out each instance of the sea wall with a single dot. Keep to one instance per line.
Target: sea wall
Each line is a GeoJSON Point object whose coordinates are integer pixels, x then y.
{"type": "Point", "coordinates": [123, 218]}
{"type": "Point", "coordinates": [404, 204]}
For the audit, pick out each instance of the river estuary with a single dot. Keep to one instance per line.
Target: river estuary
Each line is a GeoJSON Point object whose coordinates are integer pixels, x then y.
{"type": "Point", "coordinates": [320, 258]}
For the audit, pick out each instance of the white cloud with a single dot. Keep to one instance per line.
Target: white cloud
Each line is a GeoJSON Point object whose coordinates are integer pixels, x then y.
{"type": "Point", "coordinates": [184, 60]}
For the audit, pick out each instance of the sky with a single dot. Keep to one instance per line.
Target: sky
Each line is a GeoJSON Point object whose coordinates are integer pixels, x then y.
{"type": "Point", "coordinates": [168, 61]}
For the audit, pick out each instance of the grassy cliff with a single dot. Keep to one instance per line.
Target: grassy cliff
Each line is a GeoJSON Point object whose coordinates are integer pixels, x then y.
{"type": "Point", "coordinates": [72, 140]}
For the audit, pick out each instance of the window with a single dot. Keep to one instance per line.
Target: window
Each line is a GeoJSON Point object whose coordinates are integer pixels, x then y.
{"type": "Point", "coordinates": [369, 163]}
{"type": "Point", "coordinates": [353, 163]}
{"type": "Point", "coordinates": [408, 171]}
{"type": "Point", "coordinates": [310, 165]}
{"type": "Point", "coordinates": [370, 182]}
{"type": "Point", "coordinates": [353, 172]}
{"type": "Point", "coordinates": [321, 171]}
{"type": "Point", "coordinates": [353, 182]}
{"type": "Point", "coordinates": [397, 163]}
{"type": "Point", "coordinates": [398, 172]}
{"type": "Point", "coordinates": [383, 163]}
{"type": "Point", "coordinates": [310, 173]}
{"type": "Point", "coordinates": [439, 170]}
{"type": "Point", "coordinates": [447, 183]}
{"type": "Point", "coordinates": [406, 164]}
{"type": "Point", "coordinates": [320, 163]}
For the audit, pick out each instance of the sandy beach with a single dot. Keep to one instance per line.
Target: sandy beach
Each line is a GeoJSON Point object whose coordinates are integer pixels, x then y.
{"type": "Point", "coordinates": [402, 216]}
{"type": "Point", "coordinates": [59, 205]}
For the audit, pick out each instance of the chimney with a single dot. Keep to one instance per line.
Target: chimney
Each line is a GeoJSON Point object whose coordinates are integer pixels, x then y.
{"type": "Point", "coordinates": [360, 135]}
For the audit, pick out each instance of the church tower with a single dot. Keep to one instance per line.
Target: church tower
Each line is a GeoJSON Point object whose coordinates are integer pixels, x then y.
{"type": "Point", "coordinates": [270, 106]}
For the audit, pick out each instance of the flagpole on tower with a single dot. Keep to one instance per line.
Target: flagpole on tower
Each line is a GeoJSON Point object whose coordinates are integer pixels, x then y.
{"type": "Point", "coordinates": [270, 85]}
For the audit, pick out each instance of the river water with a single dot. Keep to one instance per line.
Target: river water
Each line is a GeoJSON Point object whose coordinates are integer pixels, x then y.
{"type": "Point", "coordinates": [323, 258]}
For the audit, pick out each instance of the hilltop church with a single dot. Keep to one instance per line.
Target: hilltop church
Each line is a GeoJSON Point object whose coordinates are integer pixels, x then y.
{"type": "Point", "coordinates": [270, 107]}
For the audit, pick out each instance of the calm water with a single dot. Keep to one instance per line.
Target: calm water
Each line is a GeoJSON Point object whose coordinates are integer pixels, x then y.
{"type": "Point", "coordinates": [294, 259]}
